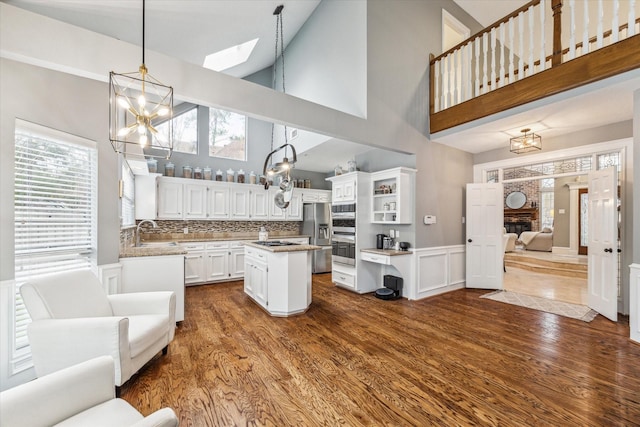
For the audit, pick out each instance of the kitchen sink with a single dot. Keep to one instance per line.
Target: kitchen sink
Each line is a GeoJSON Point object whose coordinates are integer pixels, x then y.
{"type": "Point", "coordinates": [275, 243]}
{"type": "Point", "coordinates": [157, 244]}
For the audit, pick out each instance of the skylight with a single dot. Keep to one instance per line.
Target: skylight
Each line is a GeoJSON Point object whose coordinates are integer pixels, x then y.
{"type": "Point", "coordinates": [230, 57]}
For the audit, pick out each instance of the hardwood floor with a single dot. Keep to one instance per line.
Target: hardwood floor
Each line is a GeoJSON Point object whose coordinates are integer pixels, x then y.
{"type": "Point", "coordinates": [453, 359]}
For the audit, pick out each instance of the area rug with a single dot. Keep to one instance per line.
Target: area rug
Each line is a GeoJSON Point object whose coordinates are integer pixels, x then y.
{"type": "Point", "coordinates": [566, 309]}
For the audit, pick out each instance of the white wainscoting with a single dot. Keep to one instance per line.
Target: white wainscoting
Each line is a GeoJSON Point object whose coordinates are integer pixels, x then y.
{"type": "Point", "coordinates": [634, 303]}
{"type": "Point", "coordinates": [438, 270]}
{"type": "Point", "coordinates": [111, 277]}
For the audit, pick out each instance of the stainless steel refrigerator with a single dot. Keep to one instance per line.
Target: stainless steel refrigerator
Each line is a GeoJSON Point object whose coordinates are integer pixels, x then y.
{"type": "Point", "coordinates": [317, 224]}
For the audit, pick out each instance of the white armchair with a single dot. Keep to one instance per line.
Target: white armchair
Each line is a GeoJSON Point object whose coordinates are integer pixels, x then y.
{"type": "Point", "coordinates": [81, 395]}
{"type": "Point", "coordinates": [75, 320]}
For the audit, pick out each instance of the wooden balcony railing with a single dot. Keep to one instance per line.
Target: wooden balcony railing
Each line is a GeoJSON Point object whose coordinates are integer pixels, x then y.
{"type": "Point", "coordinates": [588, 39]}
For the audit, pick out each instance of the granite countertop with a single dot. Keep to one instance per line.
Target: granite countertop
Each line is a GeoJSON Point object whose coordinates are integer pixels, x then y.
{"type": "Point", "coordinates": [389, 252]}
{"type": "Point", "coordinates": [152, 251]}
{"type": "Point", "coordinates": [214, 237]}
{"type": "Point", "coordinates": [288, 248]}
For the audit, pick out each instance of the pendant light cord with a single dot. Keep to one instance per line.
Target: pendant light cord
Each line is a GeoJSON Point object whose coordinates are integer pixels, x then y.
{"type": "Point", "coordinates": [143, 13]}
{"type": "Point", "coordinates": [279, 38]}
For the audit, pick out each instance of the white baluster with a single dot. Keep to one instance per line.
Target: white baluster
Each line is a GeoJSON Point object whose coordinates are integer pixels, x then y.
{"type": "Point", "coordinates": [531, 49]}
{"type": "Point", "coordinates": [445, 81]}
{"type": "Point", "coordinates": [599, 30]}
{"type": "Point", "coordinates": [615, 26]}
{"type": "Point", "coordinates": [585, 33]}
{"type": "Point", "coordinates": [631, 20]}
{"type": "Point", "coordinates": [494, 58]}
{"type": "Point", "coordinates": [436, 86]}
{"type": "Point", "coordinates": [543, 37]}
{"type": "Point", "coordinates": [485, 47]}
{"type": "Point", "coordinates": [476, 43]}
{"type": "Point", "coordinates": [466, 72]}
{"type": "Point", "coordinates": [511, 48]}
{"type": "Point", "coordinates": [521, 46]}
{"type": "Point", "coordinates": [572, 29]}
{"type": "Point", "coordinates": [456, 77]}
{"type": "Point", "coordinates": [501, 72]}
{"type": "Point", "coordinates": [452, 88]}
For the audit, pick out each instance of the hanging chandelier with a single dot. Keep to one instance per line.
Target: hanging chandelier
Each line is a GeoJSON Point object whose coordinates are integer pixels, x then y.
{"type": "Point", "coordinates": [282, 168]}
{"type": "Point", "coordinates": [526, 142]}
{"type": "Point", "coordinates": [138, 103]}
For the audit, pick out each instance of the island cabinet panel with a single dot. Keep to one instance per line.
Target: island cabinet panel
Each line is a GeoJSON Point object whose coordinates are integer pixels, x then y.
{"type": "Point", "coordinates": [280, 282]}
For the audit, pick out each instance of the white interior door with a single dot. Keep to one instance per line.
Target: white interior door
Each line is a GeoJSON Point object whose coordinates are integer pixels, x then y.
{"type": "Point", "coordinates": [603, 242]}
{"type": "Point", "coordinates": [485, 249]}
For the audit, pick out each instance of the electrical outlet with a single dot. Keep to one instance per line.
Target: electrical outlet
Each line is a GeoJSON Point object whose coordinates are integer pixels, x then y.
{"type": "Point", "coordinates": [185, 230]}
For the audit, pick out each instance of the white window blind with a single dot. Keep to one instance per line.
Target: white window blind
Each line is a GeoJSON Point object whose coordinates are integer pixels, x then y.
{"type": "Point", "coordinates": [55, 207]}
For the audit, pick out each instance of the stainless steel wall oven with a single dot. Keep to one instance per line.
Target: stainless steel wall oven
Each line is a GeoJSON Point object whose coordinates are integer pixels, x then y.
{"type": "Point", "coordinates": [343, 240]}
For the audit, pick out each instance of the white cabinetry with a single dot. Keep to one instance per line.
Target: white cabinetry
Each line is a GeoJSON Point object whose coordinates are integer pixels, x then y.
{"type": "Point", "coordinates": [255, 278]}
{"type": "Point", "coordinates": [169, 198]}
{"type": "Point", "coordinates": [195, 200]}
{"type": "Point", "coordinates": [260, 204]}
{"type": "Point", "coordinates": [207, 262]}
{"type": "Point", "coordinates": [310, 195]}
{"type": "Point", "coordinates": [216, 261]}
{"type": "Point", "coordinates": [240, 203]}
{"type": "Point", "coordinates": [392, 194]}
{"type": "Point", "coordinates": [292, 213]}
{"type": "Point", "coordinates": [146, 201]}
{"type": "Point", "coordinates": [155, 273]}
{"type": "Point", "coordinates": [159, 197]}
{"type": "Point", "coordinates": [218, 201]}
{"type": "Point", "coordinates": [194, 267]}
{"type": "Point", "coordinates": [344, 188]}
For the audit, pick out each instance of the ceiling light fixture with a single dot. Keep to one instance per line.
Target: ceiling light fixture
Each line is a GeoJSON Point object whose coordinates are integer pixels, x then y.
{"type": "Point", "coordinates": [138, 103]}
{"type": "Point", "coordinates": [282, 168]}
{"type": "Point", "coordinates": [526, 142]}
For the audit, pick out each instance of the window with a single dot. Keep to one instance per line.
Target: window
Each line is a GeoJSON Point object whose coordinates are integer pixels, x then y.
{"type": "Point", "coordinates": [185, 130]}
{"type": "Point", "coordinates": [55, 208]}
{"type": "Point", "coordinates": [128, 213]}
{"type": "Point", "coordinates": [227, 135]}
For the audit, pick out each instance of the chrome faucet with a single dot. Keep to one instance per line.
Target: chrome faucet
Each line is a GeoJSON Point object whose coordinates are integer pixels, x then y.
{"type": "Point", "coordinates": [138, 229]}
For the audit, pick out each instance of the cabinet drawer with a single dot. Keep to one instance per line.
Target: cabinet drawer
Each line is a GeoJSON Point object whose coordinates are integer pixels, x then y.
{"type": "Point", "coordinates": [343, 278]}
{"type": "Point", "coordinates": [217, 245]}
{"type": "Point", "coordinates": [238, 244]}
{"type": "Point", "coordinates": [193, 246]}
{"type": "Point", "coordinates": [256, 254]}
{"type": "Point", "coordinates": [380, 259]}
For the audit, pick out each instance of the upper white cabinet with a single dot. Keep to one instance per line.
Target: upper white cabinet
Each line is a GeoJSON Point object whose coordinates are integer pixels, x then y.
{"type": "Point", "coordinates": [159, 197]}
{"type": "Point", "coordinates": [240, 203]}
{"type": "Point", "coordinates": [195, 201]}
{"type": "Point", "coordinates": [392, 195]}
{"type": "Point", "coordinates": [310, 195]}
{"type": "Point", "coordinates": [169, 198]}
{"type": "Point", "coordinates": [218, 201]}
{"type": "Point", "coordinates": [344, 188]}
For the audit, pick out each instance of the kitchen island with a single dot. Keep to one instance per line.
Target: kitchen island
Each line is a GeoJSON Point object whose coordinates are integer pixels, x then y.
{"type": "Point", "coordinates": [277, 276]}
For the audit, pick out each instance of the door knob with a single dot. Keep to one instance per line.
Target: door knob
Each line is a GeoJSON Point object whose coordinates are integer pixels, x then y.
{"type": "Point", "coordinates": [469, 240]}
{"type": "Point", "coordinates": [608, 250]}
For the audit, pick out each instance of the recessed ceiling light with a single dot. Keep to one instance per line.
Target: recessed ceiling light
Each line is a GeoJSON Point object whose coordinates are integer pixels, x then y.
{"type": "Point", "coordinates": [230, 57]}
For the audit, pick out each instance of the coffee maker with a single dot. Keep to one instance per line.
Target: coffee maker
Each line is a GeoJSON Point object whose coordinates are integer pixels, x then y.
{"type": "Point", "coordinates": [380, 241]}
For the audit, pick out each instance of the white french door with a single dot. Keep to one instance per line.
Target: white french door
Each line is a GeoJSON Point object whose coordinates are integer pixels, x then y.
{"type": "Point", "coordinates": [485, 247]}
{"type": "Point", "coordinates": [603, 242]}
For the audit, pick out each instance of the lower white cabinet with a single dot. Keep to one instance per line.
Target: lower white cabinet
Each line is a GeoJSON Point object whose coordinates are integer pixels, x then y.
{"type": "Point", "coordinates": [207, 262]}
{"type": "Point", "coordinates": [155, 273]}
{"type": "Point", "coordinates": [216, 261]}
{"type": "Point", "coordinates": [194, 267]}
{"type": "Point", "coordinates": [344, 276]}
{"type": "Point", "coordinates": [256, 276]}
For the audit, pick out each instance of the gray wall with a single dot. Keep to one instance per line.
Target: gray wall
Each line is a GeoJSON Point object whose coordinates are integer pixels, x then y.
{"type": "Point", "coordinates": [635, 206]}
{"type": "Point", "coordinates": [50, 99]}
